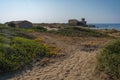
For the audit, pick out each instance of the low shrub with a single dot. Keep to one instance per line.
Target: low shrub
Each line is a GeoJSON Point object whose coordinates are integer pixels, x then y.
{"type": "Point", "coordinates": [53, 49]}
{"type": "Point", "coordinates": [20, 52]}
{"type": "Point", "coordinates": [2, 26]}
{"type": "Point", "coordinates": [77, 31]}
{"type": "Point", "coordinates": [38, 39]}
{"type": "Point", "coordinates": [14, 32]}
{"type": "Point", "coordinates": [40, 29]}
{"type": "Point", "coordinates": [108, 60]}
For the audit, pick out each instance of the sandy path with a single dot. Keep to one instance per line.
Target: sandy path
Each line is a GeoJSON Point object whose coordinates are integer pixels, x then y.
{"type": "Point", "coordinates": [78, 65]}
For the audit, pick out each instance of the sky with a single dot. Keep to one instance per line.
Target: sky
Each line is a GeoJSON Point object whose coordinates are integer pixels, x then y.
{"type": "Point", "coordinates": [60, 11]}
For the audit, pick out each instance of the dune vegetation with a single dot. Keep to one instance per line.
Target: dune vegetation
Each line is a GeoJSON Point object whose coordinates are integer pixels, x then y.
{"type": "Point", "coordinates": [78, 32]}
{"type": "Point", "coordinates": [108, 60]}
{"type": "Point", "coordinates": [18, 49]}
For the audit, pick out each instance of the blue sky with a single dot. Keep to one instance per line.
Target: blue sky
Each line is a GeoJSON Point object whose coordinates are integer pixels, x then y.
{"type": "Point", "coordinates": [55, 11]}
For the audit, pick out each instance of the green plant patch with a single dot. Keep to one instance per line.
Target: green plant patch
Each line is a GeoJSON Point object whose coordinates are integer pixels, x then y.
{"type": "Point", "coordinates": [20, 52]}
{"type": "Point", "coordinates": [39, 29]}
{"type": "Point", "coordinates": [14, 32]}
{"type": "Point", "coordinates": [108, 60]}
{"type": "Point", "coordinates": [77, 32]}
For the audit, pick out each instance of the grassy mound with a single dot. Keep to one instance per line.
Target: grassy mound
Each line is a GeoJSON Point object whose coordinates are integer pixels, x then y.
{"type": "Point", "coordinates": [109, 60]}
{"type": "Point", "coordinates": [19, 52]}
{"type": "Point", "coordinates": [77, 31]}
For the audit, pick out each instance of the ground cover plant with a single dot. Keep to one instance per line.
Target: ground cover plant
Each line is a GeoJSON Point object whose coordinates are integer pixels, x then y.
{"type": "Point", "coordinates": [77, 32]}
{"type": "Point", "coordinates": [17, 49]}
{"type": "Point", "coordinates": [108, 61]}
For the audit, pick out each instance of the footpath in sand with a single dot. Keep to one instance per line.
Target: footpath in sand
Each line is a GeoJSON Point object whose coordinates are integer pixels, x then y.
{"type": "Point", "coordinates": [77, 64]}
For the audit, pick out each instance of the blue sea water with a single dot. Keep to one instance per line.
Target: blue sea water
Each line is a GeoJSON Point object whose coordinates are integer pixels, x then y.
{"type": "Point", "coordinates": [107, 26]}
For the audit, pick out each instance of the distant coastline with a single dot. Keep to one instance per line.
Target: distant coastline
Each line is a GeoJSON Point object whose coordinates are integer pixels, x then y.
{"type": "Point", "coordinates": [115, 26]}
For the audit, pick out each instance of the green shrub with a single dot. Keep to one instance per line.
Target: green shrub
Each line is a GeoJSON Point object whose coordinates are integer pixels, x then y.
{"type": "Point", "coordinates": [40, 29]}
{"type": "Point", "coordinates": [14, 32]}
{"type": "Point", "coordinates": [77, 31]}
{"type": "Point", "coordinates": [20, 52]}
{"type": "Point", "coordinates": [109, 60]}
{"type": "Point", "coordinates": [2, 26]}
{"type": "Point", "coordinates": [17, 50]}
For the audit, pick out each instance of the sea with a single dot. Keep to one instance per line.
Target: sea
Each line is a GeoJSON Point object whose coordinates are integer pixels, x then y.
{"type": "Point", "coordinates": [107, 26]}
